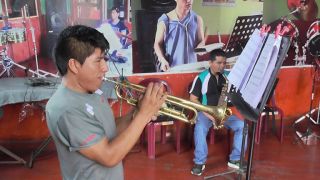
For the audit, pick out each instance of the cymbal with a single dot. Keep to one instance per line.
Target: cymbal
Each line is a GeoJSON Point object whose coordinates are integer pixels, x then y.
{"type": "Point", "coordinates": [307, 9]}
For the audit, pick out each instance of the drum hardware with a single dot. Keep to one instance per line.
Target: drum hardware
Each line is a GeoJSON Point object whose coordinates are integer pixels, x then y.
{"type": "Point", "coordinates": [7, 65]}
{"type": "Point", "coordinates": [309, 136]}
{"type": "Point", "coordinates": [313, 46]}
{"type": "Point", "coordinates": [26, 12]}
{"type": "Point", "coordinates": [293, 33]}
{"type": "Point", "coordinates": [299, 60]}
{"type": "Point", "coordinates": [17, 35]}
{"type": "Point", "coordinates": [313, 39]}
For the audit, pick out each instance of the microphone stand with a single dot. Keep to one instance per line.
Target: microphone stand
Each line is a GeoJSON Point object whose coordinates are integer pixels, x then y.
{"type": "Point", "coordinates": [33, 38]}
{"type": "Point", "coordinates": [308, 133]}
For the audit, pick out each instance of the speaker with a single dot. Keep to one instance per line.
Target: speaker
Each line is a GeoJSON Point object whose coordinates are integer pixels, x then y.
{"type": "Point", "coordinates": [158, 5]}
{"type": "Point", "coordinates": [56, 20]}
{"type": "Point", "coordinates": [56, 15]}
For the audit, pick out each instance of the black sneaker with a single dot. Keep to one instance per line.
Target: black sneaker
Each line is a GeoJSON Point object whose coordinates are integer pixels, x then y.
{"type": "Point", "coordinates": [236, 164]}
{"type": "Point", "coordinates": [198, 169]}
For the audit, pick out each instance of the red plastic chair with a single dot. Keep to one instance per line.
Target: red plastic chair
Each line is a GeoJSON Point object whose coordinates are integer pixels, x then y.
{"type": "Point", "coordinates": [270, 110]}
{"type": "Point", "coordinates": [162, 121]}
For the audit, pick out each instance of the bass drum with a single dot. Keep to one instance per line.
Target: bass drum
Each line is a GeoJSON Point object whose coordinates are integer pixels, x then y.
{"type": "Point", "coordinates": [313, 38]}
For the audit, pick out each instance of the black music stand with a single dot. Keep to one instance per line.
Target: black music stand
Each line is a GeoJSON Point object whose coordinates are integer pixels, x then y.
{"type": "Point", "coordinates": [252, 114]}
{"type": "Point", "coordinates": [242, 30]}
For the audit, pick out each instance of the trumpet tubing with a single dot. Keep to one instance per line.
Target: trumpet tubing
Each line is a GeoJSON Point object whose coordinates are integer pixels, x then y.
{"type": "Point", "coordinates": [175, 107]}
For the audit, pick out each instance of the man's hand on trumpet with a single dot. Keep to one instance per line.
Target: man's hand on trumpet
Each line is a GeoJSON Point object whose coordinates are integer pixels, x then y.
{"type": "Point", "coordinates": [152, 100]}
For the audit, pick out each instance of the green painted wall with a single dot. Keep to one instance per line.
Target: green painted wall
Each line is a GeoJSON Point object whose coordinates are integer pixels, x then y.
{"type": "Point", "coordinates": [217, 18]}
{"type": "Point", "coordinates": [222, 19]}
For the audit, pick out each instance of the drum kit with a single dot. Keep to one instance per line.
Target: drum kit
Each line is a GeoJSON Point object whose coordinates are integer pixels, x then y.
{"type": "Point", "coordinates": [10, 35]}
{"type": "Point", "coordinates": [305, 10]}
{"type": "Point", "coordinates": [312, 44]}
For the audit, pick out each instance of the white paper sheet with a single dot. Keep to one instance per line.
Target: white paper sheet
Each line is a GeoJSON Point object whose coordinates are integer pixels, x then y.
{"type": "Point", "coordinates": [252, 92]}
{"type": "Point", "coordinates": [239, 73]}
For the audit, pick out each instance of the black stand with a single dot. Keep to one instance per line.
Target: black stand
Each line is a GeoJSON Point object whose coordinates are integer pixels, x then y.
{"type": "Point", "coordinates": [36, 153]}
{"type": "Point", "coordinates": [252, 114]}
{"type": "Point", "coordinates": [308, 134]}
{"type": "Point", "coordinates": [243, 28]}
{"type": "Point", "coordinates": [17, 159]}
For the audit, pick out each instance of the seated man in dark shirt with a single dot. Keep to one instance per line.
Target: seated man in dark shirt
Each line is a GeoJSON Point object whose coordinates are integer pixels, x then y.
{"type": "Point", "coordinates": [206, 89]}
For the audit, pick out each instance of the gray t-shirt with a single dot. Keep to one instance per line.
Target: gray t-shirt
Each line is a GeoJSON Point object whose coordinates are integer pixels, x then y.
{"type": "Point", "coordinates": [76, 121]}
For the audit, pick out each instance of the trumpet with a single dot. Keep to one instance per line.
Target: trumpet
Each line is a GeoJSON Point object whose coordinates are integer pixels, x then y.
{"type": "Point", "coordinates": [174, 107]}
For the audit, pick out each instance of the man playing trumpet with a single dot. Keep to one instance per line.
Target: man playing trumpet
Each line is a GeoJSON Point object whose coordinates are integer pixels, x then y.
{"type": "Point", "coordinates": [90, 142]}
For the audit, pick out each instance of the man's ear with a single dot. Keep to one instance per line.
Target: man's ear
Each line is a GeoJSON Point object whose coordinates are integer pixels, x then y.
{"type": "Point", "coordinates": [74, 66]}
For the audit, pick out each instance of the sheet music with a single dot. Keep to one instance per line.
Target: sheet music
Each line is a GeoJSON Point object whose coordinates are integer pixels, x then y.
{"type": "Point", "coordinates": [257, 82]}
{"type": "Point", "coordinates": [244, 65]}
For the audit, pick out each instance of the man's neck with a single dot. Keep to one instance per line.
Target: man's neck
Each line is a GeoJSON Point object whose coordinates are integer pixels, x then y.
{"type": "Point", "coordinates": [181, 14]}
{"type": "Point", "coordinates": [71, 83]}
{"type": "Point", "coordinates": [213, 73]}
{"type": "Point", "coordinates": [115, 21]}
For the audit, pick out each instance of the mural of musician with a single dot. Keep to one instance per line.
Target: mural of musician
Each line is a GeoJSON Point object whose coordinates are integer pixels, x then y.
{"type": "Point", "coordinates": [31, 25]}
{"type": "Point", "coordinates": [120, 52]}
{"type": "Point", "coordinates": [184, 33]}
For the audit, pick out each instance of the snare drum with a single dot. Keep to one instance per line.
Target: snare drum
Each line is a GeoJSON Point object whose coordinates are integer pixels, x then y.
{"type": "Point", "coordinates": [293, 30]}
{"type": "Point", "coordinates": [3, 38]}
{"type": "Point", "coordinates": [313, 38]}
{"type": "Point", "coordinates": [16, 35]}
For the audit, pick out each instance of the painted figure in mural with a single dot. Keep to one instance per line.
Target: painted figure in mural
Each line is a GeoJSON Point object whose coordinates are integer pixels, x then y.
{"type": "Point", "coordinates": [206, 89]}
{"type": "Point", "coordinates": [178, 33]}
{"type": "Point", "coordinates": [118, 26]}
{"type": "Point", "coordinates": [118, 34]}
{"type": "Point", "coordinates": [90, 142]}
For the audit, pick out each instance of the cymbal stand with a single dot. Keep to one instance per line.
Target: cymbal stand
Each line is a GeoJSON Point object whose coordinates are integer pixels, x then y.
{"type": "Point", "coordinates": [33, 38]}
{"type": "Point", "coordinates": [7, 63]}
{"type": "Point", "coordinates": [308, 133]}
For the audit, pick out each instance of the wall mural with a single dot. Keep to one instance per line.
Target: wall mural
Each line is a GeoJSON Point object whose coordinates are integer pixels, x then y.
{"type": "Point", "coordinates": [180, 42]}
{"type": "Point", "coordinates": [48, 18]}
{"type": "Point", "coordinates": [122, 22]}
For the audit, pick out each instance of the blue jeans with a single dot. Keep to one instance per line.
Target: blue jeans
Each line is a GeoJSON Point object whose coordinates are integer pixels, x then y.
{"type": "Point", "coordinates": [201, 129]}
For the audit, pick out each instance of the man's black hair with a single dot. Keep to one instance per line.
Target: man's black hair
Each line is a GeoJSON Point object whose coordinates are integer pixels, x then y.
{"type": "Point", "coordinates": [215, 53]}
{"type": "Point", "coordinates": [115, 8]}
{"type": "Point", "coordinates": [77, 42]}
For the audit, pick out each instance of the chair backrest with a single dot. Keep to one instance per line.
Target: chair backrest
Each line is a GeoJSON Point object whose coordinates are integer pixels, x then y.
{"type": "Point", "coordinates": [145, 83]}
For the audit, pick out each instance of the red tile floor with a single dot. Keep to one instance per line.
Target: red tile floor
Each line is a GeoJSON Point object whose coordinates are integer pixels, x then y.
{"type": "Point", "coordinates": [272, 160]}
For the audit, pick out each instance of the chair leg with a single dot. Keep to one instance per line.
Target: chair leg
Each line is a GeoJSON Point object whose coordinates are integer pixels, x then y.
{"type": "Point", "coordinates": [229, 142]}
{"type": "Point", "coordinates": [274, 122]}
{"type": "Point", "coordinates": [191, 136]}
{"type": "Point", "coordinates": [178, 136]}
{"type": "Point", "coordinates": [267, 118]}
{"type": "Point", "coordinates": [151, 140]}
{"type": "Point", "coordinates": [211, 135]}
{"type": "Point", "coordinates": [259, 127]}
{"type": "Point", "coordinates": [163, 134]}
{"type": "Point", "coordinates": [142, 137]}
{"type": "Point", "coordinates": [281, 129]}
